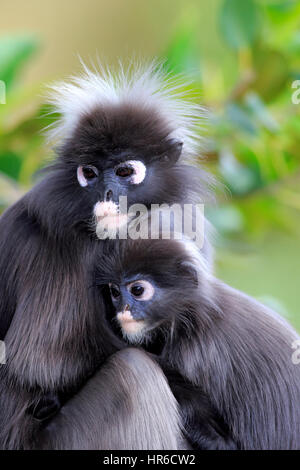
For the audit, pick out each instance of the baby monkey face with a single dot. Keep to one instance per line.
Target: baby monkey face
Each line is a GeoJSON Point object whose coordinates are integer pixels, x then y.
{"type": "Point", "coordinates": [131, 300]}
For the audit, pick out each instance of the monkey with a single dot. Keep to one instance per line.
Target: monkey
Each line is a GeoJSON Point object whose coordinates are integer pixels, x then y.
{"type": "Point", "coordinates": [126, 134]}
{"type": "Point", "coordinates": [221, 349]}
{"type": "Point", "coordinates": [127, 396]}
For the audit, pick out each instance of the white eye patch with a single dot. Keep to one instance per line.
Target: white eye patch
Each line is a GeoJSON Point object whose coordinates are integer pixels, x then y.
{"type": "Point", "coordinates": [145, 290]}
{"type": "Point", "coordinates": [86, 174]}
{"type": "Point", "coordinates": [81, 179]}
{"type": "Point", "coordinates": [139, 170]}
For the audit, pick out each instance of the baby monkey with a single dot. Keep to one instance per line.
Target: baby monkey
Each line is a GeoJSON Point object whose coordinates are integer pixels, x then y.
{"type": "Point", "coordinates": [149, 287]}
{"type": "Point", "coordinates": [227, 357]}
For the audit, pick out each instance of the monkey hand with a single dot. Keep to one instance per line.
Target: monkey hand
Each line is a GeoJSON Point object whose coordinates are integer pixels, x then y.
{"type": "Point", "coordinates": [45, 407]}
{"type": "Point", "coordinates": [204, 427]}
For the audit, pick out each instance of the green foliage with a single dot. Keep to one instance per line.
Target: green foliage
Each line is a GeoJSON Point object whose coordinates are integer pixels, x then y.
{"type": "Point", "coordinates": [239, 22]}
{"type": "Point", "coordinates": [183, 52]}
{"type": "Point", "coordinates": [14, 53]}
{"type": "Point", "coordinates": [21, 143]}
{"type": "Point", "coordinates": [254, 128]}
{"type": "Point", "coordinates": [253, 141]}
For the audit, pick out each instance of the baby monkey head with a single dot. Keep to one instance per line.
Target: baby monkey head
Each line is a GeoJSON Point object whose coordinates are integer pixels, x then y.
{"type": "Point", "coordinates": [152, 284]}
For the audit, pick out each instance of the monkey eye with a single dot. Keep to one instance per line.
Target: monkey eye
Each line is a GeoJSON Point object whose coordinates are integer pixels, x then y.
{"type": "Point", "coordinates": [134, 170]}
{"type": "Point", "coordinates": [141, 290]}
{"type": "Point", "coordinates": [124, 171]}
{"type": "Point", "coordinates": [87, 174]}
{"type": "Point", "coordinates": [137, 290]}
{"type": "Point", "coordinates": [115, 291]}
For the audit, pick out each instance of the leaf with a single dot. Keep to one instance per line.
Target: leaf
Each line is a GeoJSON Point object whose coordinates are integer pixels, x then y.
{"type": "Point", "coordinates": [279, 11]}
{"type": "Point", "coordinates": [10, 192]}
{"type": "Point", "coordinates": [239, 22]}
{"type": "Point", "coordinates": [14, 53]}
{"type": "Point", "coordinates": [240, 179]}
{"type": "Point", "coordinates": [261, 112]}
{"type": "Point", "coordinates": [182, 54]}
{"type": "Point", "coordinates": [21, 105]}
{"type": "Point", "coordinates": [227, 219]}
{"type": "Point", "coordinates": [10, 164]}
{"type": "Point", "coordinates": [272, 73]}
{"type": "Point", "coordinates": [241, 119]}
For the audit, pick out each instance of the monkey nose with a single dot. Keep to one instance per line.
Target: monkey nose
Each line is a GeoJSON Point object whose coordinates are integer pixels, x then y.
{"type": "Point", "coordinates": [109, 195]}
{"type": "Point", "coordinates": [126, 308]}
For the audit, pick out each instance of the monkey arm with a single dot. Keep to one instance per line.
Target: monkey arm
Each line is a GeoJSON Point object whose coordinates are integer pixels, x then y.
{"type": "Point", "coordinates": [13, 238]}
{"type": "Point", "coordinates": [127, 404]}
{"type": "Point", "coordinates": [255, 345]}
{"type": "Point", "coordinates": [46, 407]}
{"type": "Point", "coordinates": [204, 427]}
{"type": "Point", "coordinates": [242, 359]}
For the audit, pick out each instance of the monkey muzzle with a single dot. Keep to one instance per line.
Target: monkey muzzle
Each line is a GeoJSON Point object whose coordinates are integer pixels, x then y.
{"type": "Point", "coordinates": [108, 218]}
{"type": "Point", "coordinates": [130, 326]}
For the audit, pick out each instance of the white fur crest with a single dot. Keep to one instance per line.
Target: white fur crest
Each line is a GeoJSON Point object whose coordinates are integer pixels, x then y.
{"type": "Point", "coordinates": [148, 86]}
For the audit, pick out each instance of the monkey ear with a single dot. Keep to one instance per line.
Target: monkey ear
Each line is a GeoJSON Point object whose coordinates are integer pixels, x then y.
{"type": "Point", "coordinates": [177, 149]}
{"type": "Point", "coordinates": [174, 153]}
{"type": "Point", "coordinates": [190, 272]}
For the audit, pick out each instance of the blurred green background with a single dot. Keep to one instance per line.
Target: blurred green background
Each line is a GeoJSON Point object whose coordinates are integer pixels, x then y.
{"type": "Point", "coordinates": [244, 56]}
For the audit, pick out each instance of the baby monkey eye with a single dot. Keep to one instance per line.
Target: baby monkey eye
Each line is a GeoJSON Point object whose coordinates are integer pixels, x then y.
{"type": "Point", "coordinates": [124, 170]}
{"type": "Point", "coordinates": [137, 290]}
{"type": "Point", "coordinates": [115, 291]}
{"type": "Point", "coordinates": [89, 172]}
{"type": "Point", "coordinates": [141, 290]}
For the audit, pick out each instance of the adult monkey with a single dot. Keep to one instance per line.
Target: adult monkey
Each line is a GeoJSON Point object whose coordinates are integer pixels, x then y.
{"type": "Point", "coordinates": [120, 136]}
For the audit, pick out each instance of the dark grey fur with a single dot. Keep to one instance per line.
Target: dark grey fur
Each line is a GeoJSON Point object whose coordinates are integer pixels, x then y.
{"type": "Point", "coordinates": [220, 341]}
{"type": "Point", "coordinates": [55, 331]}
{"type": "Point", "coordinates": [127, 404]}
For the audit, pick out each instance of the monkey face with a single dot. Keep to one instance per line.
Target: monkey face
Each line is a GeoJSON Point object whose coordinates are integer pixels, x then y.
{"type": "Point", "coordinates": [131, 301]}
{"type": "Point", "coordinates": [119, 135]}
{"type": "Point", "coordinates": [122, 152]}
{"type": "Point", "coordinates": [151, 283]}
